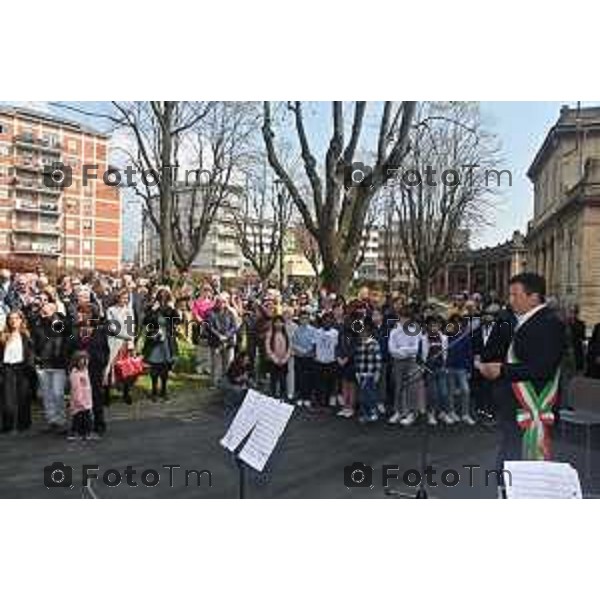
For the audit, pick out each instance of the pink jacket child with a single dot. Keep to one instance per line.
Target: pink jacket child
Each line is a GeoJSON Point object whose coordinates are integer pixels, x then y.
{"type": "Point", "coordinates": [81, 391]}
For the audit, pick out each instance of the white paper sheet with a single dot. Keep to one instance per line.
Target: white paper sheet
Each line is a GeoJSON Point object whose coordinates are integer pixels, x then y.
{"type": "Point", "coordinates": [273, 417]}
{"type": "Point", "coordinates": [541, 479]}
{"type": "Point", "coordinates": [243, 422]}
{"type": "Point", "coordinates": [262, 418]}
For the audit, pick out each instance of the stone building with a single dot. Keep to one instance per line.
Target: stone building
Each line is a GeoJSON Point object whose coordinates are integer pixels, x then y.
{"type": "Point", "coordinates": [563, 239]}
{"type": "Point", "coordinates": [483, 269]}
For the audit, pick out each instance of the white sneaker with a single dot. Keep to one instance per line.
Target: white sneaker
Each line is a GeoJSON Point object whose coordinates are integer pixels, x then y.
{"type": "Point", "coordinates": [395, 419]}
{"type": "Point", "coordinates": [381, 408]}
{"type": "Point", "coordinates": [446, 419]}
{"type": "Point", "coordinates": [307, 403]}
{"type": "Point", "coordinates": [454, 418]}
{"type": "Point", "coordinates": [408, 420]}
{"type": "Point", "coordinates": [431, 420]}
{"type": "Point", "coordinates": [299, 402]}
{"type": "Point", "coordinates": [468, 420]}
{"type": "Point", "coordinates": [345, 412]}
{"type": "Point", "coordinates": [333, 401]}
{"type": "Point", "coordinates": [373, 417]}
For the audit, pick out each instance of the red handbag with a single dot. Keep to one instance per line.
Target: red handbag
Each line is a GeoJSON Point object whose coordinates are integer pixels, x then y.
{"type": "Point", "coordinates": [129, 367]}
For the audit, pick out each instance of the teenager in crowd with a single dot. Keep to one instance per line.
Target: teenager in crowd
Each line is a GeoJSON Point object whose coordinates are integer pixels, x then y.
{"type": "Point", "coordinates": [403, 345]}
{"type": "Point", "coordinates": [459, 365]}
{"type": "Point", "coordinates": [434, 351]}
{"type": "Point", "coordinates": [367, 364]}
{"type": "Point", "coordinates": [278, 350]}
{"type": "Point", "coordinates": [303, 349]}
{"type": "Point", "coordinates": [326, 341]}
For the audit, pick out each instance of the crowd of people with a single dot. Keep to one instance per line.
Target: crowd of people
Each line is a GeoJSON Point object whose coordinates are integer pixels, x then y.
{"type": "Point", "coordinates": [372, 357]}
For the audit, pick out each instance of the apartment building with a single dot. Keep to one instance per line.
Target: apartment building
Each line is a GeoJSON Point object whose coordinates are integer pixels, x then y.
{"type": "Point", "coordinates": [76, 226]}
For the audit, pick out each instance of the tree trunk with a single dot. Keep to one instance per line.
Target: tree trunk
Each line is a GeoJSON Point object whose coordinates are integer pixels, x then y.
{"type": "Point", "coordinates": [166, 191]}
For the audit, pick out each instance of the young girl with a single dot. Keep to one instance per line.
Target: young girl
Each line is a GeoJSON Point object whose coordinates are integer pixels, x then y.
{"type": "Point", "coordinates": [278, 350]}
{"type": "Point", "coordinates": [81, 397]}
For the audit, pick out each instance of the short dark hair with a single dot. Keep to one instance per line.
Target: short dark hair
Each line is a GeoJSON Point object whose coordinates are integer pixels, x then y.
{"type": "Point", "coordinates": [532, 283]}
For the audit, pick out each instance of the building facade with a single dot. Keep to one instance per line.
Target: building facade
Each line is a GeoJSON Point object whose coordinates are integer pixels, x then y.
{"type": "Point", "coordinates": [73, 226]}
{"type": "Point", "coordinates": [563, 238]}
{"type": "Point", "coordinates": [483, 269]}
{"type": "Point", "coordinates": [221, 253]}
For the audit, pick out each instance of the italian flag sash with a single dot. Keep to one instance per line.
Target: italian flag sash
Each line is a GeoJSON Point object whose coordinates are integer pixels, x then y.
{"type": "Point", "coordinates": [535, 414]}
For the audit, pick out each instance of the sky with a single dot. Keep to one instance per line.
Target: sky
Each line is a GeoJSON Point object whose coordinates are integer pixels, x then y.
{"type": "Point", "coordinates": [520, 127]}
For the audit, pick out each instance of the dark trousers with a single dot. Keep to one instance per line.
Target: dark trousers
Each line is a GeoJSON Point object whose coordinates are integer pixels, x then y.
{"type": "Point", "coordinates": [15, 398]}
{"type": "Point", "coordinates": [98, 399]}
{"type": "Point", "coordinates": [326, 374]}
{"type": "Point", "coordinates": [278, 380]}
{"type": "Point", "coordinates": [159, 372]}
{"type": "Point", "coordinates": [82, 423]}
{"type": "Point", "coordinates": [484, 393]}
{"type": "Point", "coordinates": [510, 442]}
{"type": "Point", "coordinates": [304, 369]}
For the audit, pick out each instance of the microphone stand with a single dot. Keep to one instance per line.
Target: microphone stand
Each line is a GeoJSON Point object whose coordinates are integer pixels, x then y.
{"type": "Point", "coordinates": [422, 490]}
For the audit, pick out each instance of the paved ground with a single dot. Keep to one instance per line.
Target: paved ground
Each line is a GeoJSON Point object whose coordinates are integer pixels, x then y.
{"type": "Point", "coordinates": [309, 462]}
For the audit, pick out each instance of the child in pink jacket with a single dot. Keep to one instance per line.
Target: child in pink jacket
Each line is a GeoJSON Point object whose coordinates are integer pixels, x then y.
{"type": "Point", "coordinates": [80, 405]}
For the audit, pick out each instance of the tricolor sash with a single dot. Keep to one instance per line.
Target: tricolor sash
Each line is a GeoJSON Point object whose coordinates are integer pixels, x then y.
{"type": "Point", "coordinates": [535, 413]}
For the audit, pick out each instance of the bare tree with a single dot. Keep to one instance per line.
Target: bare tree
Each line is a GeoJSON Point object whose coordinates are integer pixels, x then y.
{"type": "Point", "coordinates": [391, 245]}
{"type": "Point", "coordinates": [183, 152]}
{"type": "Point", "coordinates": [219, 149]}
{"type": "Point", "coordinates": [260, 222]}
{"type": "Point", "coordinates": [336, 208]}
{"type": "Point", "coordinates": [442, 190]}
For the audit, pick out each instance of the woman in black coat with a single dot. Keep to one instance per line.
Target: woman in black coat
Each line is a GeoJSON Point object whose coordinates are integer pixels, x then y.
{"type": "Point", "coordinates": [16, 360]}
{"type": "Point", "coordinates": [593, 354]}
{"type": "Point", "coordinates": [160, 349]}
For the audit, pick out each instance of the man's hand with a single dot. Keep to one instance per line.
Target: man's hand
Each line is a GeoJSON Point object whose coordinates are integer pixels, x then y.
{"type": "Point", "coordinates": [490, 370]}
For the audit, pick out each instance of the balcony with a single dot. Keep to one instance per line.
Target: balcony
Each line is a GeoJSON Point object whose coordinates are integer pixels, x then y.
{"type": "Point", "coordinates": [35, 248]}
{"type": "Point", "coordinates": [34, 228]}
{"type": "Point", "coordinates": [35, 207]}
{"type": "Point", "coordinates": [29, 166]}
{"type": "Point", "coordinates": [34, 186]}
{"type": "Point", "coordinates": [29, 141]}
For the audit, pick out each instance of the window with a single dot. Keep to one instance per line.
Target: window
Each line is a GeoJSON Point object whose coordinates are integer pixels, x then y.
{"type": "Point", "coordinates": [87, 246]}
{"type": "Point", "coordinates": [70, 244]}
{"type": "Point", "coordinates": [72, 146]}
{"type": "Point", "coordinates": [87, 263]}
{"type": "Point", "coordinates": [87, 224]}
{"type": "Point", "coordinates": [4, 150]}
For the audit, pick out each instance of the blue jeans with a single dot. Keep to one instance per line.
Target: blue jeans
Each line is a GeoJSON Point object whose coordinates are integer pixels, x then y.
{"type": "Point", "coordinates": [367, 395]}
{"type": "Point", "coordinates": [460, 392]}
{"type": "Point", "coordinates": [437, 390]}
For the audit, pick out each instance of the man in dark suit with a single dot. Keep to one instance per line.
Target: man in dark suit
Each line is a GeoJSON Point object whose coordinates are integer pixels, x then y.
{"type": "Point", "coordinates": [529, 374]}
{"type": "Point", "coordinates": [490, 344]}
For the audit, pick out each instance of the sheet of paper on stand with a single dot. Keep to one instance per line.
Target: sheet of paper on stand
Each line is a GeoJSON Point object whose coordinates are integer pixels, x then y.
{"type": "Point", "coordinates": [273, 418]}
{"type": "Point", "coordinates": [541, 479]}
{"type": "Point", "coordinates": [243, 422]}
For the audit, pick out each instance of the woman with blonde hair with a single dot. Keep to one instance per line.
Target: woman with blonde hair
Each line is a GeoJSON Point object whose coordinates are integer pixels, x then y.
{"type": "Point", "coordinates": [17, 368]}
{"type": "Point", "coordinates": [121, 328]}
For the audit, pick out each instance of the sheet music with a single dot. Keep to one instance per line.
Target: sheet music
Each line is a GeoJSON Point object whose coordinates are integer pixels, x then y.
{"type": "Point", "coordinates": [273, 417]}
{"type": "Point", "coordinates": [541, 479]}
{"type": "Point", "coordinates": [243, 422]}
